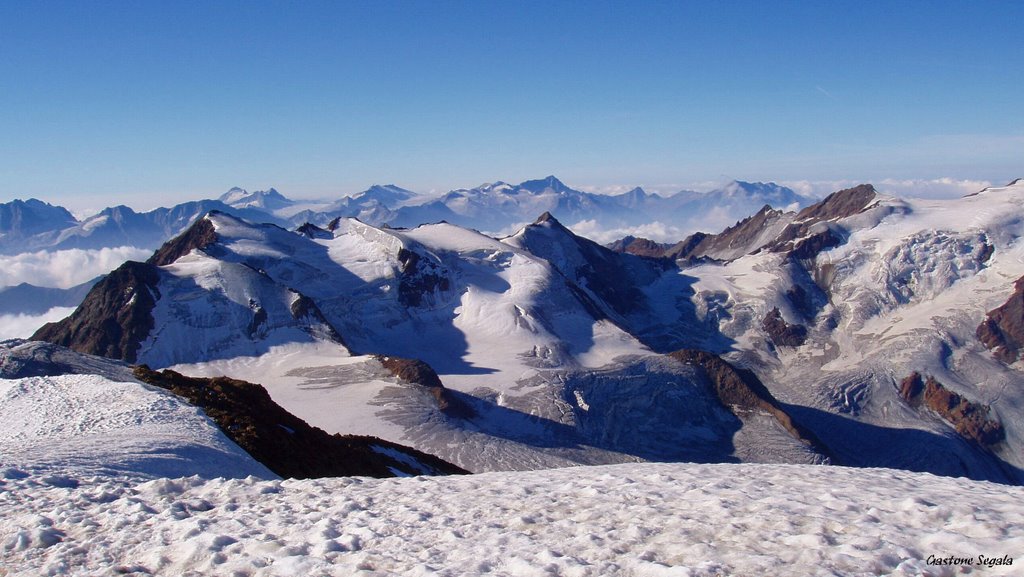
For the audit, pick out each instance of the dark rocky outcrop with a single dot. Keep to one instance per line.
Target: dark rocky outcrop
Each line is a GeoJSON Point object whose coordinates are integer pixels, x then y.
{"type": "Point", "coordinates": [781, 332]}
{"type": "Point", "coordinates": [911, 388]}
{"type": "Point", "coordinates": [740, 236]}
{"type": "Point", "coordinates": [310, 230]}
{"type": "Point", "coordinates": [741, 392]}
{"type": "Point", "coordinates": [115, 317]}
{"type": "Point", "coordinates": [305, 308]}
{"type": "Point", "coordinates": [417, 372]}
{"type": "Point", "coordinates": [287, 445]}
{"type": "Point", "coordinates": [971, 420]}
{"type": "Point", "coordinates": [806, 236]}
{"type": "Point", "coordinates": [198, 236]}
{"type": "Point", "coordinates": [639, 247]}
{"type": "Point", "coordinates": [1002, 331]}
{"type": "Point", "coordinates": [840, 204]}
{"type": "Point", "coordinates": [418, 278]}
{"type": "Point", "coordinates": [808, 248]}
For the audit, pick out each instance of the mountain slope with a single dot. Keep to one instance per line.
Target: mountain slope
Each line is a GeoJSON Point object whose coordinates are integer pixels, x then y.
{"type": "Point", "coordinates": [67, 415]}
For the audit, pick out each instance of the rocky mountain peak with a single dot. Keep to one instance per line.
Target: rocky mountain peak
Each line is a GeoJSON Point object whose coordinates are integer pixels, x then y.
{"type": "Point", "coordinates": [198, 236]}
{"type": "Point", "coordinates": [840, 204]}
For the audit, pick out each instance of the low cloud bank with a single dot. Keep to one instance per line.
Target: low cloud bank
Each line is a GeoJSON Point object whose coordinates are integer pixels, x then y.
{"type": "Point", "coordinates": [905, 188]}
{"type": "Point", "coordinates": [64, 268]}
{"type": "Point", "coordinates": [22, 326]}
{"type": "Point", "coordinates": [656, 231]}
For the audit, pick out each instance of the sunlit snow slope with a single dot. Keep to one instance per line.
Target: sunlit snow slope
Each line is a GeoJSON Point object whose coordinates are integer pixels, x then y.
{"type": "Point", "coordinates": [104, 422]}
{"type": "Point", "coordinates": [628, 520]}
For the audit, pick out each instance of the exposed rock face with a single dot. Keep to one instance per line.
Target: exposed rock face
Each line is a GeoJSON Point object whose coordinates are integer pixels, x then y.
{"type": "Point", "coordinates": [287, 445]}
{"type": "Point", "coordinates": [310, 230]}
{"type": "Point", "coordinates": [840, 204]}
{"type": "Point", "coordinates": [305, 308]}
{"type": "Point", "coordinates": [739, 239]}
{"type": "Point", "coordinates": [639, 247]}
{"type": "Point", "coordinates": [417, 372]}
{"type": "Point", "coordinates": [687, 247]}
{"type": "Point", "coordinates": [198, 236]}
{"type": "Point", "coordinates": [115, 317]}
{"type": "Point", "coordinates": [781, 332]}
{"type": "Point", "coordinates": [1002, 331]}
{"type": "Point", "coordinates": [419, 277]}
{"type": "Point", "coordinates": [971, 420]}
{"type": "Point", "coordinates": [911, 388]}
{"type": "Point", "coordinates": [740, 391]}
{"type": "Point", "coordinates": [835, 206]}
{"type": "Point", "coordinates": [809, 247]}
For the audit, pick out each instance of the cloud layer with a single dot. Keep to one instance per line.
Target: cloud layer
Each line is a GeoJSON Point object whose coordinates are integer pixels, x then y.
{"type": "Point", "coordinates": [905, 188]}
{"type": "Point", "coordinates": [22, 326]}
{"type": "Point", "coordinates": [64, 268]}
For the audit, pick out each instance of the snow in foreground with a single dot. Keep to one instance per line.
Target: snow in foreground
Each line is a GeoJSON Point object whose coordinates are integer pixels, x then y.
{"type": "Point", "coordinates": [647, 519]}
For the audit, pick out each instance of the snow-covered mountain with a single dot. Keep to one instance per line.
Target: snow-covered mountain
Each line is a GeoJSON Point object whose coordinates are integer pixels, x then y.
{"type": "Point", "coordinates": [55, 229]}
{"type": "Point", "coordinates": [845, 332]}
{"type": "Point", "coordinates": [33, 225]}
{"type": "Point", "coordinates": [23, 220]}
{"type": "Point", "coordinates": [268, 200]}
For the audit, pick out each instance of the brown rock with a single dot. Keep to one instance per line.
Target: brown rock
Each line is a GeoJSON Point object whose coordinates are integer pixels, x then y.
{"type": "Point", "coordinates": [781, 332]}
{"type": "Point", "coordinates": [971, 420]}
{"type": "Point", "coordinates": [1002, 331]}
{"type": "Point", "coordinates": [740, 391]}
{"type": "Point", "coordinates": [198, 236]}
{"type": "Point", "coordinates": [115, 317]}
{"type": "Point", "coordinates": [417, 372]}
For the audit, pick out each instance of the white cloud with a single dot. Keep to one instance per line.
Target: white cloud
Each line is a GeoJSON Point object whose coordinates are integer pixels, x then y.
{"type": "Point", "coordinates": [64, 268]}
{"type": "Point", "coordinates": [944, 187]}
{"type": "Point", "coordinates": [22, 326]}
{"type": "Point", "coordinates": [656, 231]}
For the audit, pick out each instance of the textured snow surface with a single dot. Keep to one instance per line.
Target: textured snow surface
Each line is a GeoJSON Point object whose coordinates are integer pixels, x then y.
{"type": "Point", "coordinates": [88, 424]}
{"type": "Point", "coordinates": [630, 520]}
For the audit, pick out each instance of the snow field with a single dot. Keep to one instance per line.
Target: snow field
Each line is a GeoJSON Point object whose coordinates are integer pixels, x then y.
{"type": "Point", "coordinates": [632, 520]}
{"type": "Point", "coordinates": [87, 424]}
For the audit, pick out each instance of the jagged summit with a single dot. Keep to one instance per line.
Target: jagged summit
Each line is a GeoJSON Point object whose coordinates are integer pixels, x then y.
{"type": "Point", "coordinates": [269, 199]}
{"type": "Point", "coordinates": [840, 204]}
{"type": "Point", "coordinates": [548, 183]}
{"type": "Point", "coordinates": [547, 217]}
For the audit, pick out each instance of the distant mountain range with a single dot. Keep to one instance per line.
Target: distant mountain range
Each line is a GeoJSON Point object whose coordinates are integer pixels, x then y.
{"type": "Point", "coordinates": [498, 208]}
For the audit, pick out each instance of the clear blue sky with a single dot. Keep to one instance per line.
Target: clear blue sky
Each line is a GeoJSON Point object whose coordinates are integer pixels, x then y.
{"type": "Point", "coordinates": [186, 99]}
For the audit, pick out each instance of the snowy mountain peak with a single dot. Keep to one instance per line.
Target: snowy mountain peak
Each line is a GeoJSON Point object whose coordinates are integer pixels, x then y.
{"type": "Point", "coordinates": [269, 199]}
{"type": "Point", "coordinates": [32, 216]}
{"type": "Point", "coordinates": [548, 219]}
{"type": "Point", "coordinates": [388, 195]}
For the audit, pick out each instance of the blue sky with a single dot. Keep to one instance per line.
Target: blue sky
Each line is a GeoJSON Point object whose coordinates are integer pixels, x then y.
{"type": "Point", "coordinates": [156, 102]}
